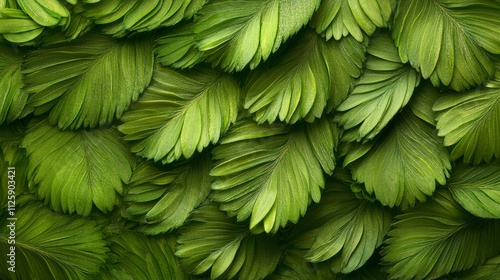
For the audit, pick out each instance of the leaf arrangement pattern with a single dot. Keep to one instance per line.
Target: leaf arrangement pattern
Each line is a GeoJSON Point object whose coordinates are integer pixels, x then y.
{"type": "Point", "coordinates": [250, 139]}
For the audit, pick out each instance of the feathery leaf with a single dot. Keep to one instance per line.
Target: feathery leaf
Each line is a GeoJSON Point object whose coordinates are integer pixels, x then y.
{"type": "Point", "coordinates": [12, 98]}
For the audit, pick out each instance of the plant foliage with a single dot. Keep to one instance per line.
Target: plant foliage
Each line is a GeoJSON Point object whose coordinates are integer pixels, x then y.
{"type": "Point", "coordinates": [250, 139]}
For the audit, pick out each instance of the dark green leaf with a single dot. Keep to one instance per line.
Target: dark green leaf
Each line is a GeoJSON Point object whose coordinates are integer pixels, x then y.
{"type": "Point", "coordinates": [488, 271]}
{"type": "Point", "coordinates": [12, 98]}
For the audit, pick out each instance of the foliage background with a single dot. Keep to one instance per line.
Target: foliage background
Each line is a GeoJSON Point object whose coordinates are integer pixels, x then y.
{"type": "Point", "coordinates": [279, 139]}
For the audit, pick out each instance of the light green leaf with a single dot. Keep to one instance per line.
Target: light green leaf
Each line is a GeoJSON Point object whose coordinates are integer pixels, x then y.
{"type": "Point", "coordinates": [437, 238]}
{"type": "Point", "coordinates": [17, 27]}
{"type": "Point", "coordinates": [274, 177]}
{"type": "Point", "coordinates": [135, 256]}
{"type": "Point", "coordinates": [211, 241]}
{"type": "Point", "coordinates": [450, 42]}
{"type": "Point", "coordinates": [161, 198]}
{"type": "Point", "coordinates": [181, 112]}
{"type": "Point", "coordinates": [488, 271]}
{"type": "Point", "coordinates": [89, 81]}
{"type": "Point", "coordinates": [385, 87]}
{"type": "Point", "coordinates": [76, 169]}
{"type": "Point", "coordinates": [477, 188]}
{"type": "Point", "coordinates": [45, 12]}
{"type": "Point", "coordinates": [423, 99]}
{"type": "Point", "coordinates": [12, 98]}
{"type": "Point", "coordinates": [307, 77]}
{"type": "Point", "coordinates": [469, 122]}
{"type": "Point", "coordinates": [403, 164]}
{"type": "Point", "coordinates": [49, 245]}
{"type": "Point", "coordinates": [342, 228]}
{"type": "Point", "coordinates": [177, 47]}
{"type": "Point", "coordinates": [237, 33]}
{"type": "Point", "coordinates": [340, 18]}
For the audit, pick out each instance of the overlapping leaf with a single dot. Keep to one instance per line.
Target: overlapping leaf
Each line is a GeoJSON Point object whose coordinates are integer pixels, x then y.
{"type": "Point", "coordinates": [470, 121]}
{"type": "Point", "coordinates": [45, 12]}
{"type": "Point", "coordinates": [17, 27]}
{"type": "Point", "coordinates": [213, 242]}
{"type": "Point", "coordinates": [53, 246]}
{"type": "Point", "coordinates": [120, 17]}
{"type": "Point", "coordinates": [403, 164]}
{"type": "Point", "coordinates": [237, 33]}
{"type": "Point", "coordinates": [181, 112]}
{"type": "Point", "coordinates": [477, 188]}
{"type": "Point", "coordinates": [437, 238]}
{"type": "Point", "coordinates": [77, 169]}
{"type": "Point", "coordinates": [385, 87]}
{"type": "Point", "coordinates": [161, 199]}
{"type": "Point", "coordinates": [488, 271]}
{"type": "Point", "coordinates": [342, 228]}
{"type": "Point", "coordinates": [310, 75]}
{"type": "Point", "coordinates": [89, 81]}
{"type": "Point", "coordinates": [450, 42]}
{"type": "Point", "coordinates": [295, 266]}
{"type": "Point", "coordinates": [340, 18]}
{"type": "Point", "coordinates": [135, 256]}
{"type": "Point", "coordinates": [272, 172]}
{"type": "Point", "coordinates": [12, 98]}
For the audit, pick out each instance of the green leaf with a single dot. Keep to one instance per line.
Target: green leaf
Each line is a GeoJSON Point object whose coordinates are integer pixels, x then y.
{"type": "Point", "coordinates": [423, 99]}
{"type": "Point", "coordinates": [76, 169]}
{"type": "Point", "coordinates": [211, 241]}
{"type": "Point", "coordinates": [437, 238]}
{"type": "Point", "coordinates": [161, 198]}
{"type": "Point", "coordinates": [477, 189]}
{"type": "Point", "coordinates": [469, 122]}
{"type": "Point", "coordinates": [12, 98]}
{"type": "Point", "coordinates": [342, 228]}
{"type": "Point", "coordinates": [340, 18]}
{"type": "Point", "coordinates": [89, 81]}
{"type": "Point", "coordinates": [450, 42]}
{"type": "Point", "coordinates": [385, 87]}
{"type": "Point", "coordinates": [309, 75]}
{"type": "Point", "coordinates": [488, 271]}
{"type": "Point", "coordinates": [177, 47]}
{"type": "Point", "coordinates": [403, 164]}
{"type": "Point", "coordinates": [45, 12]}
{"type": "Point", "coordinates": [295, 267]}
{"type": "Point", "coordinates": [49, 245]}
{"type": "Point", "coordinates": [135, 256]}
{"type": "Point", "coordinates": [17, 27]}
{"type": "Point", "coordinates": [272, 176]}
{"type": "Point", "coordinates": [237, 33]}
{"type": "Point", "coordinates": [181, 112]}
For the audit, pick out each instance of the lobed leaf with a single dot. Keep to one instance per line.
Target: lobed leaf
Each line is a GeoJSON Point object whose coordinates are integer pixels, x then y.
{"type": "Point", "coordinates": [477, 189]}
{"type": "Point", "coordinates": [340, 18]}
{"type": "Point", "coordinates": [12, 98]}
{"type": "Point", "coordinates": [272, 177]}
{"type": "Point", "coordinates": [469, 122]}
{"type": "Point", "coordinates": [237, 33]}
{"type": "Point", "coordinates": [161, 198]}
{"type": "Point", "coordinates": [450, 42]}
{"type": "Point", "coordinates": [213, 242]}
{"type": "Point", "coordinates": [89, 81]}
{"type": "Point", "coordinates": [309, 76]}
{"type": "Point", "coordinates": [437, 238]}
{"type": "Point", "coordinates": [385, 87]}
{"type": "Point", "coordinates": [181, 112]}
{"type": "Point", "coordinates": [77, 169]}
{"type": "Point", "coordinates": [407, 162]}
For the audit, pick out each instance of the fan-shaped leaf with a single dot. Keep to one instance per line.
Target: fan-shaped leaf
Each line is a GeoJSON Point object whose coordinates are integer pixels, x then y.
{"type": "Point", "coordinates": [49, 245]}
{"type": "Point", "coordinates": [340, 18]}
{"type": "Point", "coordinates": [488, 271]}
{"type": "Point", "coordinates": [422, 101]}
{"type": "Point", "coordinates": [237, 33]}
{"type": "Point", "coordinates": [12, 98]}
{"type": "Point", "coordinates": [272, 176]}
{"type": "Point", "coordinates": [213, 242]}
{"type": "Point", "coordinates": [471, 122]}
{"type": "Point", "coordinates": [75, 169]}
{"type": "Point", "coordinates": [477, 188]}
{"type": "Point", "coordinates": [162, 198]}
{"type": "Point", "coordinates": [403, 164]}
{"type": "Point", "coordinates": [177, 47]}
{"type": "Point", "coordinates": [135, 256]}
{"type": "Point", "coordinates": [342, 228]}
{"type": "Point", "coordinates": [449, 41]}
{"type": "Point", "coordinates": [301, 83]}
{"type": "Point", "coordinates": [385, 87]}
{"type": "Point", "coordinates": [437, 238]}
{"type": "Point", "coordinates": [88, 81]}
{"type": "Point", "coordinates": [46, 12]}
{"type": "Point", "coordinates": [181, 112]}
{"type": "Point", "coordinates": [17, 27]}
